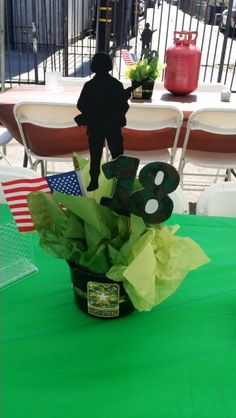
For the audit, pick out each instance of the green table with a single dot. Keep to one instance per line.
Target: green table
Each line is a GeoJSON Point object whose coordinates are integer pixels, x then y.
{"type": "Point", "coordinates": [177, 361]}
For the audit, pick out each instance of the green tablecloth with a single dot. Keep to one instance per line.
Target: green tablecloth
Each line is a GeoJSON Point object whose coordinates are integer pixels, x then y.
{"type": "Point", "coordinates": [177, 361]}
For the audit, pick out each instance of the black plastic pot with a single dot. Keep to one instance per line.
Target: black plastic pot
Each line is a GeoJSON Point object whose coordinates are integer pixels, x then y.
{"type": "Point", "coordinates": [97, 295]}
{"type": "Point", "coordinates": [144, 92]}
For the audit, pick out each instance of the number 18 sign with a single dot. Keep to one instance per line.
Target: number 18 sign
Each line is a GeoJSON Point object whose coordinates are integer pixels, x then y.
{"type": "Point", "coordinates": [151, 201]}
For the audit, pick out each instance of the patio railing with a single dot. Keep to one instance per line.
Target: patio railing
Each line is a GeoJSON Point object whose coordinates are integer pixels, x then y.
{"type": "Point", "coordinates": [62, 35]}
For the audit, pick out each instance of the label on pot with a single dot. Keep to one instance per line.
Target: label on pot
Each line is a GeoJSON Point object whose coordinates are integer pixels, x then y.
{"type": "Point", "coordinates": [103, 299]}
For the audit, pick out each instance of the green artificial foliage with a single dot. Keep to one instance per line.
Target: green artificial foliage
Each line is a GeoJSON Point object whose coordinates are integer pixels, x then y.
{"type": "Point", "coordinates": [145, 69]}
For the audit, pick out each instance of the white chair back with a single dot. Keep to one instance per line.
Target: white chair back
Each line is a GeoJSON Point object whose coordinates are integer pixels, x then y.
{"type": "Point", "coordinates": [210, 151]}
{"type": "Point", "coordinates": [146, 117]}
{"type": "Point", "coordinates": [214, 120]}
{"type": "Point", "coordinates": [48, 115]}
{"type": "Point", "coordinates": [48, 145]}
{"type": "Point", "coordinates": [219, 199]}
{"type": "Point", "coordinates": [180, 201]}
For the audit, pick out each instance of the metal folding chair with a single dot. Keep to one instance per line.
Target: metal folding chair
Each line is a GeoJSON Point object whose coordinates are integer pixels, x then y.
{"type": "Point", "coordinates": [219, 199]}
{"type": "Point", "coordinates": [5, 137]}
{"type": "Point", "coordinates": [210, 142]}
{"type": "Point", "coordinates": [49, 132]}
{"type": "Point", "coordinates": [152, 132]}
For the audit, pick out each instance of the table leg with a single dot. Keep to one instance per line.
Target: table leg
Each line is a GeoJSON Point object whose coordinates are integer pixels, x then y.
{"type": "Point", "coordinates": [25, 160]}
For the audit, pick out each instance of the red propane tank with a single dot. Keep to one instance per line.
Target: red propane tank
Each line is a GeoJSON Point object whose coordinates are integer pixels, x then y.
{"type": "Point", "coordinates": [182, 64]}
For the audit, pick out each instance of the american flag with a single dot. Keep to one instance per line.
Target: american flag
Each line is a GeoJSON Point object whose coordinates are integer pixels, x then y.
{"type": "Point", "coordinates": [17, 191]}
{"type": "Point", "coordinates": [128, 58]}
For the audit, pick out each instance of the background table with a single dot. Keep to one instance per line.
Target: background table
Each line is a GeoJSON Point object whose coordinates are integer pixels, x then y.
{"type": "Point", "coordinates": [177, 361]}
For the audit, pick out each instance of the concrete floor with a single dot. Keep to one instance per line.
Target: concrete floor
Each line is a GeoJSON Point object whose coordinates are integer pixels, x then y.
{"type": "Point", "coordinates": [15, 153]}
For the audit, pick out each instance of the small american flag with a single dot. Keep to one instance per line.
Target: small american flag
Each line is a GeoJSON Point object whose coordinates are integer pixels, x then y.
{"type": "Point", "coordinates": [17, 191]}
{"type": "Point", "coordinates": [128, 58]}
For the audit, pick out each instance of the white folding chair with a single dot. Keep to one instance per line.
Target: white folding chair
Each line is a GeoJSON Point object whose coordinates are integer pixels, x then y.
{"type": "Point", "coordinates": [49, 132]}
{"type": "Point", "coordinates": [180, 201]}
{"type": "Point", "coordinates": [8, 173]}
{"type": "Point", "coordinates": [152, 132]}
{"type": "Point", "coordinates": [210, 142]}
{"type": "Point", "coordinates": [5, 137]}
{"type": "Point", "coordinates": [219, 199]}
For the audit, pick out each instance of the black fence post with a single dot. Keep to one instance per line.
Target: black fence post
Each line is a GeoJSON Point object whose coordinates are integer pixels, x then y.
{"type": "Point", "coordinates": [65, 39]}
{"type": "Point", "coordinates": [226, 35]}
{"type": "Point", "coordinates": [35, 42]}
{"type": "Point", "coordinates": [103, 26]}
{"type": "Point", "coordinates": [135, 16]}
{"type": "Point", "coordinates": [2, 46]}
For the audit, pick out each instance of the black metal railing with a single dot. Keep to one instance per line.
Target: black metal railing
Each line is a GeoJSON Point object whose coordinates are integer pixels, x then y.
{"type": "Point", "coordinates": [62, 35]}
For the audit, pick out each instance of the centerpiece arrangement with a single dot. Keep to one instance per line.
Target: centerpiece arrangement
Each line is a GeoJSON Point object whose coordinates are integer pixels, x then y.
{"type": "Point", "coordinates": [120, 253]}
{"type": "Point", "coordinates": [148, 69]}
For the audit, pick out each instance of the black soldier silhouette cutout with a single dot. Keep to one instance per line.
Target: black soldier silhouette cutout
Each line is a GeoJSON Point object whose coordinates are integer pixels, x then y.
{"type": "Point", "coordinates": [103, 103]}
{"type": "Point", "coordinates": [146, 36]}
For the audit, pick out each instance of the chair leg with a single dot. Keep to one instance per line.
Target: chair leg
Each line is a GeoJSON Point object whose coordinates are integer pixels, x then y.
{"type": "Point", "coordinates": [45, 167]}
{"type": "Point", "coordinates": [42, 168]}
{"type": "Point", "coordinates": [227, 175]}
{"type": "Point", "coordinates": [181, 175]}
{"type": "Point", "coordinates": [35, 164]}
{"type": "Point", "coordinates": [25, 160]}
{"type": "Point", "coordinates": [217, 175]}
{"type": "Point", "coordinates": [4, 149]}
{"type": "Point", "coordinates": [3, 157]}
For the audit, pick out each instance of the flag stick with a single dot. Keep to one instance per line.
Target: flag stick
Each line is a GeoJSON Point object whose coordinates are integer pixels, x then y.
{"type": "Point", "coordinates": [79, 175]}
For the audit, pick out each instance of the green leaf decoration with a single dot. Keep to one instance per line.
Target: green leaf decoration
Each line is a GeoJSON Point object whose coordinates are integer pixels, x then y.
{"type": "Point", "coordinates": [100, 218]}
{"type": "Point", "coordinates": [45, 213]}
{"type": "Point", "coordinates": [144, 69]}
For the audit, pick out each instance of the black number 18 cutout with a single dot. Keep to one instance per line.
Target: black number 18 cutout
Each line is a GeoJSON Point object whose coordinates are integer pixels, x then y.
{"type": "Point", "coordinates": [152, 202]}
